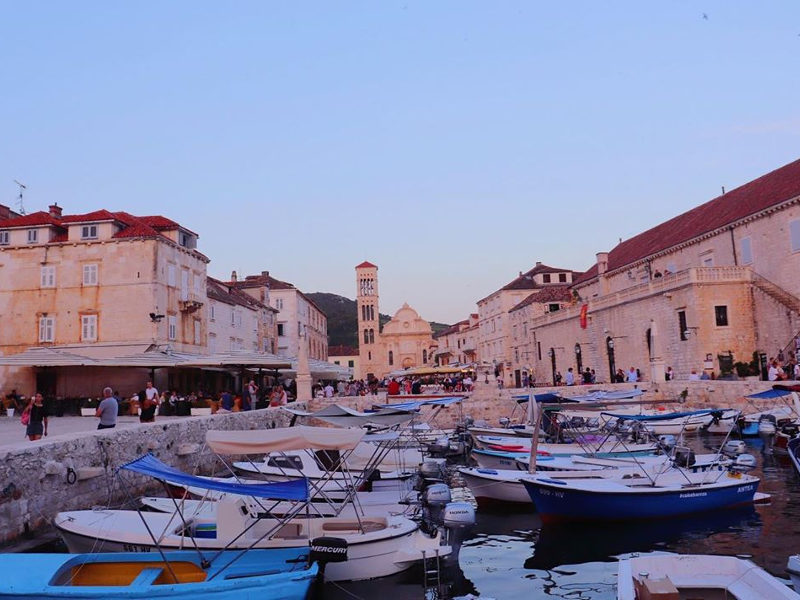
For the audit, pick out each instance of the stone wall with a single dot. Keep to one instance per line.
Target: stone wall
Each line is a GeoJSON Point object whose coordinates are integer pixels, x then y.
{"type": "Point", "coordinates": [489, 404]}
{"type": "Point", "coordinates": [35, 479]}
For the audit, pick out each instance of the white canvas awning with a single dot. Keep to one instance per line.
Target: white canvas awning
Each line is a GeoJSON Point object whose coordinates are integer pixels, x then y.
{"type": "Point", "coordinates": [320, 369]}
{"type": "Point", "coordinates": [45, 357]}
{"type": "Point", "coordinates": [264, 441]}
{"type": "Point", "coordinates": [342, 416]}
{"type": "Point", "coordinates": [239, 359]}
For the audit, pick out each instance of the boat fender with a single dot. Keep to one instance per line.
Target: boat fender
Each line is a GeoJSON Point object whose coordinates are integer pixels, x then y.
{"type": "Point", "coordinates": [72, 476]}
{"type": "Point", "coordinates": [328, 550]}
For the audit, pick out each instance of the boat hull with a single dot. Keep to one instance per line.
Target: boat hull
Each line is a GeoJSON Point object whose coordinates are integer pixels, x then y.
{"type": "Point", "coordinates": [488, 489]}
{"type": "Point", "coordinates": [140, 577]}
{"type": "Point", "coordinates": [559, 501]}
{"type": "Point", "coordinates": [375, 554]}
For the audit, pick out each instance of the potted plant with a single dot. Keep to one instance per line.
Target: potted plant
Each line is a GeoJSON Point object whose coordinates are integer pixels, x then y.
{"type": "Point", "coordinates": [88, 407]}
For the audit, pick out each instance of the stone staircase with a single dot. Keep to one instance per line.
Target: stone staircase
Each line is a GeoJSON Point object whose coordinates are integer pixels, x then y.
{"type": "Point", "coordinates": [777, 293]}
{"type": "Point", "coordinates": [781, 296]}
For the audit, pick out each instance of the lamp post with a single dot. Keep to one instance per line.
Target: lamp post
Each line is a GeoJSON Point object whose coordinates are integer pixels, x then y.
{"type": "Point", "coordinates": [578, 358]}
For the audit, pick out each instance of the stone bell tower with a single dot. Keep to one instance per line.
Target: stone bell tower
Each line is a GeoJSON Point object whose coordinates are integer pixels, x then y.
{"type": "Point", "coordinates": [368, 330]}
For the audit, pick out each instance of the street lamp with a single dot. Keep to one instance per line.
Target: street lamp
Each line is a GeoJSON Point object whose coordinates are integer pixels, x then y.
{"type": "Point", "coordinates": [578, 349]}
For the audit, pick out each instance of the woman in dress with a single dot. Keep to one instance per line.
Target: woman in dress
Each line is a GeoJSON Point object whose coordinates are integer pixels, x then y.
{"type": "Point", "coordinates": [37, 418]}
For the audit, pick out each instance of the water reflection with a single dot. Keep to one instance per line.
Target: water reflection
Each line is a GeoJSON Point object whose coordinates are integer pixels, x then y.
{"type": "Point", "coordinates": [573, 543]}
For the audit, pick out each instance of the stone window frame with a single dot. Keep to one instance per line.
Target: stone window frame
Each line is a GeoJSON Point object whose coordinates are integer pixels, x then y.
{"type": "Point", "coordinates": [89, 232]}
{"type": "Point", "coordinates": [794, 235]}
{"type": "Point", "coordinates": [5, 238]}
{"type": "Point", "coordinates": [746, 250]}
{"type": "Point", "coordinates": [172, 327]}
{"type": "Point", "coordinates": [33, 236]}
{"type": "Point", "coordinates": [721, 315]}
{"type": "Point", "coordinates": [93, 272]}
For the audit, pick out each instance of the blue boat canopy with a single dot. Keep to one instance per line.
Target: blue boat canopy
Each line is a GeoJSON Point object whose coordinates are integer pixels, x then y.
{"type": "Point", "coordinates": [282, 490]}
{"type": "Point", "coordinates": [546, 397]}
{"type": "Point", "coordinates": [769, 394]}
{"type": "Point", "coordinates": [664, 417]}
{"type": "Point", "coordinates": [415, 405]}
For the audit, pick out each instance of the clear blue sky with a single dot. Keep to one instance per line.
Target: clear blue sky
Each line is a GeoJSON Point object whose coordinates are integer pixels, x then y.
{"type": "Point", "coordinates": [453, 144]}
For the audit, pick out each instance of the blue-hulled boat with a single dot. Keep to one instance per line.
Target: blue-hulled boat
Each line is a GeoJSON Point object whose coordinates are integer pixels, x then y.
{"type": "Point", "coordinates": [794, 453]}
{"type": "Point", "coordinates": [674, 493]}
{"type": "Point", "coordinates": [228, 575]}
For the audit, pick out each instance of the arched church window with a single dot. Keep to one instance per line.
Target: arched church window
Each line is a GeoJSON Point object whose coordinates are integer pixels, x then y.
{"type": "Point", "coordinates": [366, 336]}
{"type": "Point", "coordinates": [371, 336]}
{"type": "Point", "coordinates": [424, 356]}
{"type": "Point", "coordinates": [391, 358]}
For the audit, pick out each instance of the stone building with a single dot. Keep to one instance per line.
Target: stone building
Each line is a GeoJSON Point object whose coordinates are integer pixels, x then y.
{"type": "Point", "coordinates": [406, 340]}
{"type": "Point", "coordinates": [701, 291]}
{"type": "Point", "coordinates": [101, 285]}
{"type": "Point", "coordinates": [345, 356]}
{"type": "Point", "coordinates": [494, 323]}
{"type": "Point", "coordinates": [458, 343]}
{"type": "Point", "coordinates": [237, 321]}
{"type": "Point", "coordinates": [298, 316]}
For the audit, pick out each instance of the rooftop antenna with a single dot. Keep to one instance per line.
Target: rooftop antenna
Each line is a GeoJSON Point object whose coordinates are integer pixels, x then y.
{"type": "Point", "coordinates": [723, 190]}
{"type": "Point", "coordinates": [22, 188]}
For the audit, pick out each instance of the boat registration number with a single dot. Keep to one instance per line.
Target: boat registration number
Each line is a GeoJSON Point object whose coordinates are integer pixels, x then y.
{"type": "Point", "coordinates": [553, 493]}
{"type": "Point", "coordinates": [136, 548]}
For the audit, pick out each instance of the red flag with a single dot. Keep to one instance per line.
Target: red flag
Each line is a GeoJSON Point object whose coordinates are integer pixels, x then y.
{"type": "Point", "coordinates": [584, 312]}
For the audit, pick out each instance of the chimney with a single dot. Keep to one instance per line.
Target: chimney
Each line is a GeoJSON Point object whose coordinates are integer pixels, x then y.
{"type": "Point", "coordinates": [602, 263]}
{"type": "Point", "coordinates": [538, 263]}
{"type": "Point", "coordinates": [265, 274]}
{"type": "Point", "coordinates": [233, 277]}
{"type": "Point", "coordinates": [55, 211]}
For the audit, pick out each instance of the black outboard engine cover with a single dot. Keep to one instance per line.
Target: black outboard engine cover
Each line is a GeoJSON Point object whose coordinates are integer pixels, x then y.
{"type": "Point", "coordinates": [430, 470]}
{"type": "Point", "coordinates": [328, 550]}
{"type": "Point", "coordinates": [684, 457]}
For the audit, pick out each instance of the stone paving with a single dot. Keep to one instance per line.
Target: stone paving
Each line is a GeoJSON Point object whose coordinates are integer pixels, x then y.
{"type": "Point", "coordinates": [12, 432]}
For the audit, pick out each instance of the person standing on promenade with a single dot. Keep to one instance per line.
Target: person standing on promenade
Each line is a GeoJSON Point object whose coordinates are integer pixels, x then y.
{"type": "Point", "coordinates": [570, 379]}
{"type": "Point", "coordinates": [633, 375]}
{"type": "Point", "coordinates": [37, 418]}
{"type": "Point", "coordinates": [252, 391]}
{"type": "Point", "coordinates": [107, 410]}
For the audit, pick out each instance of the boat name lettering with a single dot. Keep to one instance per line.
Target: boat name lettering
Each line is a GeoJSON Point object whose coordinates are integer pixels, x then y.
{"type": "Point", "coordinates": [746, 488]}
{"type": "Point", "coordinates": [694, 495]}
{"type": "Point", "coordinates": [545, 492]}
{"type": "Point", "coordinates": [135, 548]}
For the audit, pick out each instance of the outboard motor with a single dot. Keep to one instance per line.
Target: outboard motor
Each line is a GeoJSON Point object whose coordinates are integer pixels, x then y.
{"type": "Point", "coordinates": [440, 447]}
{"type": "Point", "coordinates": [767, 427]}
{"type": "Point", "coordinates": [326, 550]}
{"type": "Point", "coordinates": [733, 448]}
{"type": "Point", "coordinates": [684, 457]}
{"type": "Point", "coordinates": [666, 442]}
{"type": "Point", "coordinates": [434, 499]}
{"type": "Point", "coordinates": [430, 469]}
{"type": "Point", "coordinates": [457, 518]}
{"type": "Point", "coordinates": [744, 462]}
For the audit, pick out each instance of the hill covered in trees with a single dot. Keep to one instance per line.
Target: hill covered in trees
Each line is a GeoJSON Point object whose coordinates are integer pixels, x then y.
{"type": "Point", "coordinates": [343, 318]}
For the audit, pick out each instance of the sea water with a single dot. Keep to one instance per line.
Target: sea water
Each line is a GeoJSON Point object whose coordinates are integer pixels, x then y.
{"type": "Point", "coordinates": [510, 555]}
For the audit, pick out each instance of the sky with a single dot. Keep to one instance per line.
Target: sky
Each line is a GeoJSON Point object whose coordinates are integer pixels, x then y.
{"type": "Point", "coordinates": [453, 144]}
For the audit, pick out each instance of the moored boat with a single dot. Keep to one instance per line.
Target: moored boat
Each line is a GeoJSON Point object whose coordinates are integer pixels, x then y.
{"type": "Point", "coordinates": [697, 576]}
{"type": "Point", "coordinates": [673, 493]}
{"type": "Point", "coordinates": [179, 574]}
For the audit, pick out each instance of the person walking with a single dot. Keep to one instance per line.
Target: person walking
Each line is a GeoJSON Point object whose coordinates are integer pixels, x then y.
{"type": "Point", "coordinates": [107, 410]}
{"type": "Point", "coordinates": [37, 418]}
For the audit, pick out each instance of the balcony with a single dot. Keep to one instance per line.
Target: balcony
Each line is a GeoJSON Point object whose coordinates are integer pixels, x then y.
{"type": "Point", "coordinates": [190, 304]}
{"type": "Point", "coordinates": [654, 287]}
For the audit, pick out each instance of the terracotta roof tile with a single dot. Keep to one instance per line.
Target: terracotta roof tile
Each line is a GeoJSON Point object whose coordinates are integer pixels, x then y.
{"type": "Point", "coordinates": [38, 218]}
{"type": "Point", "coordinates": [366, 263]}
{"type": "Point", "coordinates": [556, 293]}
{"type": "Point", "coordinates": [97, 215]}
{"type": "Point", "coordinates": [768, 190]}
{"type": "Point", "coordinates": [342, 351]}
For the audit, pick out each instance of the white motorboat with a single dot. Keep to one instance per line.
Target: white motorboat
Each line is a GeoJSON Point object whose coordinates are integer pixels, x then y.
{"type": "Point", "coordinates": [793, 568]}
{"type": "Point", "coordinates": [505, 485]}
{"type": "Point", "coordinates": [377, 545]}
{"type": "Point", "coordinates": [697, 576]}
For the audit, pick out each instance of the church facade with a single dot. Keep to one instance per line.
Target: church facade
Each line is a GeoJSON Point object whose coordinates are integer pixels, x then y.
{"type": "Point", "coordinates": [406, 340]}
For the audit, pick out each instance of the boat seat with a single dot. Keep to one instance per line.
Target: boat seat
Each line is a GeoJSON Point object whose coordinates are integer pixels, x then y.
{"type": "Point", "coordinates": [147, 576]}
{"type": "Point", "coordinates": [656, 589]}
{"type": "Point", "coordinates": [367, 526]}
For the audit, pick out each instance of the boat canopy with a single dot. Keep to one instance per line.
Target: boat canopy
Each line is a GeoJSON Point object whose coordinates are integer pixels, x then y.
{"type": "Point", "coordinates": [547, 397]}
{"type": "Point", "coordinates": [665, 416]}
{"type": "Point", "coordinates": [342, 416]}
{"type": "Point", "coordinates": [148, 464]}
{"type": "Point", "coordinates": [416, 404]}
{"type": "Point", "coordinates": [301, 437]}
{"type": "Point", "coordinates": [777, 391]}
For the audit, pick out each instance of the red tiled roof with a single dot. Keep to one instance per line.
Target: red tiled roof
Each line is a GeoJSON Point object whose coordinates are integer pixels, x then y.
{"type": "Point", "coordinates": [38, 218]}
{"type": "Point", "coordinates": [366, 263]}
{"type": "Point", "coordinates": [253, 281]}
{"type": "Point", "coordinates": [455, 328]}
{"type": "Point", "coordinates": [760, 194]}
{"type": "Point", "coordinates": [97, 215]}
{"type": "Point", "coordinates": [159, 222]}
{"type": "Point", "coordinates": [525, 281]}
{"type": "Point", "coordinates": [221, 291]}
{"type": "Point", "coordinates": [342, 351]}
{"type": "Point", "coordinates": [556, 293]}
